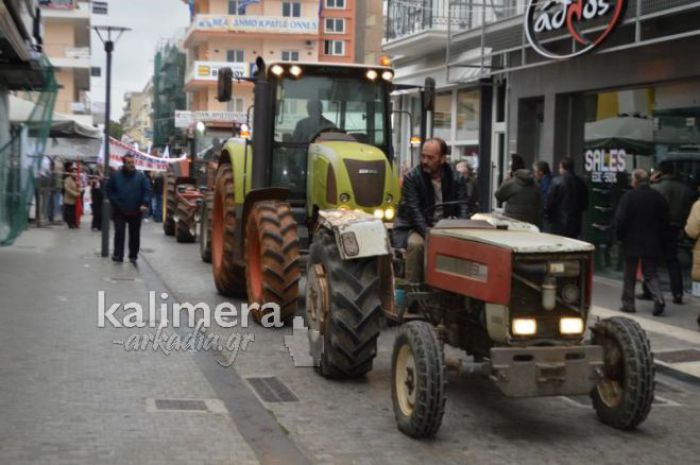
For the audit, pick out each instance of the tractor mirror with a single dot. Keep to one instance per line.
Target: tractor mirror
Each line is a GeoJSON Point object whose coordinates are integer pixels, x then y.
{"type": "Point", "coordinates": [224, 89]}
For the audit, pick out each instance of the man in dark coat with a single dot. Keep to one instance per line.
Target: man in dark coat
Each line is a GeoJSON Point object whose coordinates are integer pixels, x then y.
{"type": "Point", "coordinates": [566, 201]}
{"type": "Point", "coordinates": [433, 182]}
{"type": "Point", "coordinates": [641, 223]}
{"type": "Point", "coordinates": [679, 199]}
{"type": "Point", "coordinates": [129, 192]}
{"type": "Point", "coordinates": [521, 194]}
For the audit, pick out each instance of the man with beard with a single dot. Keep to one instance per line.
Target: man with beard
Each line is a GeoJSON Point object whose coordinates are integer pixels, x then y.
{"type": "Point", "coordinates": [129, 192]}
{"type": "Point", "coordinates": [432, 183]}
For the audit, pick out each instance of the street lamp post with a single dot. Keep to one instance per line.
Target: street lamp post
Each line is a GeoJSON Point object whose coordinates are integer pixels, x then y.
{"type": "Point", "coordinates": [108, 42]}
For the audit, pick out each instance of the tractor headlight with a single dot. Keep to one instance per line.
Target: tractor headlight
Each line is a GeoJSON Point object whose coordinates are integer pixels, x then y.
{"type": "Point", "coordinates": [295, 71]}
{"type": "Point", "coordinates": [277, 70]}
{"type": "Point", "coordinates": [387, 75]}
{"type": "Point", "coordinates": [571, 325]}
{"type": "Point", "coordinates": [372, 75]}
{"type": "Point", "coordinates": [379, 213]}
{"type": "Point", "coordinates": [524, 327]}
{"type": "Point", "coordinates": [389, 213]}
{"type": "Point", "coordinates": [344, 198]}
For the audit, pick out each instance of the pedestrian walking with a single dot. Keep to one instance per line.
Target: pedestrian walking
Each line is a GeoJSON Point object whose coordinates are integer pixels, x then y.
{"type": "Point", "coordinates": [566, 201]}
{"type": "Point", "coordinates": [520, 193]}
{"type": "Point", "coordinates": [471, 184]}
{"type": "Point", "coordinates": [543, 175]}
{"type": "Point", "coordinates": [71, 194]}
{"type": "Point", "coordinates": [641, 222]}
{"type": "Point", "coordinates": [158, 197]}
{"type": "Point", "coordinates": [692, 229]}
{"type": "Point", "coordinates": [678, 196]}
{"type": "Point", "coordinates": [96, 198]}
{"type": "Point", "coordinates": [129, 192]}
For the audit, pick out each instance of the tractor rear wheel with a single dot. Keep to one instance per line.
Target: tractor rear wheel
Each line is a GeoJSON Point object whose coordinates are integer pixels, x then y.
{"type": "Point", "coordinates": [418, 380]}
{"type": "Point", "coordinates": [183, 224]}
{"type": "Point", "coordinates": [228, 276]}
{"type": "Point", "coordinates": [623, 398]}
{"type": "Point", "coordinates": [205, 228]}
{"type": "Point", "coordinates": [169, 220]}
{"type": "Point", "coordinates": [272, 258]}
{"type": "Point", "coordinates": [343, 310]}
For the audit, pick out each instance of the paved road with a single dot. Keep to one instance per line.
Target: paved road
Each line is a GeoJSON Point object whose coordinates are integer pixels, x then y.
{"type": "Point", "coordinates": [70, 395]}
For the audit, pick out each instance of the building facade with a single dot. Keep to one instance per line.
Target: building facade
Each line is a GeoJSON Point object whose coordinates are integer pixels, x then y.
{"type": "Point", "coordinates": [137, 119]}
{"type": "Point", "coordinates": [67, 45]}
{"type": "Point", "coordinates": [618, 89]}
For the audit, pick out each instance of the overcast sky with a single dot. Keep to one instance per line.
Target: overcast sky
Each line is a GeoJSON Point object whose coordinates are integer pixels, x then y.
{"type": "Point", "coordinates": [132, 65]}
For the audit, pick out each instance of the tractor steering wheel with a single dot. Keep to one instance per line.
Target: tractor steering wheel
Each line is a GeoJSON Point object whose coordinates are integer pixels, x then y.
{"type": "Point", "coordinates": [328, 129]}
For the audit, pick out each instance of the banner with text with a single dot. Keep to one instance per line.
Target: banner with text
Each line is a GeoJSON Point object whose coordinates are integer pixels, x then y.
{"type": "Point", "coordinates": [144, 162]}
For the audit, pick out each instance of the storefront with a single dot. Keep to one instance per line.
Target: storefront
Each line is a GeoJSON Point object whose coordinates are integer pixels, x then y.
{"type": "Point", "coordinates": [630, 103]}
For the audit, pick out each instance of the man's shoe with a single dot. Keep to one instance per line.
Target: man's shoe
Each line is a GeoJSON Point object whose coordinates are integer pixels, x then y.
{"type": "Point", "coordinates": [678, 299]}
{"type": "Point", "coordinates": [644, 296]}
{"type": "Point", "coordinates": [627, 309]}
{"type": "Point", "coordinates": [658, 308]}
{"type": "Point", "coordinates": [132, 259]}
{"type": "Point", "coordinates": [117, 259]}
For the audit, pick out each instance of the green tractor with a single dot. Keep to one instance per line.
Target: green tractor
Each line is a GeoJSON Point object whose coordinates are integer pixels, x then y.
{"type": "Point", "coordinates": [318, 168]}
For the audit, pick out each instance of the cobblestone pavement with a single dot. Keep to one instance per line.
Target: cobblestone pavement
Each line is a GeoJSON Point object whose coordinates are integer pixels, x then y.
{"type": "Point", "coordinates": [69, 395]}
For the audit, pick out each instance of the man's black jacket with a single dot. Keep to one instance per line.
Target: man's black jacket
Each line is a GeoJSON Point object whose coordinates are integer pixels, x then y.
{"type": "Point", "coordinates": [642, 222]}
{"type": "Point", "coordinates": [417, 196]}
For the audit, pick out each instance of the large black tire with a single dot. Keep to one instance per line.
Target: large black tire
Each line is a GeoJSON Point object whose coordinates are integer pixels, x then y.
{"type": "Point", "coordinates": [272, 258]}
{"type": "Point", "coordinates": [169, 220]}
{"type": "Point", "coordinates": [183, 225]}
{"type": "Point", "coordinates": [418, 380]}
{"type": "Point", "coordinates": [348, 344]}
{"type": "Point", "coordinates": [623, 398]}
{"type": "Point", "coordinates": [228, 276]}
{"type": "Point", "coordinates": [205, 228]}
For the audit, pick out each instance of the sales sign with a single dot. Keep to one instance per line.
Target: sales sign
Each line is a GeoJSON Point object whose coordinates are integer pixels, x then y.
{"type": "Point", "coordinates": [588, 22]}
{"type": "Point", "coordinates": [604, 165]}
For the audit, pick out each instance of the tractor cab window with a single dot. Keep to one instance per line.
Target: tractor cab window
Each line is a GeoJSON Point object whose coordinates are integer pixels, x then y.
{"type": "Point", "coordinates": [352, 108]}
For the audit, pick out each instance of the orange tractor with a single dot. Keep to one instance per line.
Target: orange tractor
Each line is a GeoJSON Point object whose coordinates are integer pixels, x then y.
{"type": "Point", "coordinates": [183, 203]}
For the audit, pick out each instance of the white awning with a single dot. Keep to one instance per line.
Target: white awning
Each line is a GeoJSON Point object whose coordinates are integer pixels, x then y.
{"type": "Point", "coordinates": [61, 125]}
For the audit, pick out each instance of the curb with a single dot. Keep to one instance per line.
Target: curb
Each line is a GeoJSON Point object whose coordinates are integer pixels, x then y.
{"type": "Point", "coordinates": [675, 373]}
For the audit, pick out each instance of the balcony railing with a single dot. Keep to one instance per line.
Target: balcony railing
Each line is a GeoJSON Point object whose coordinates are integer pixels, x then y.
{"type": "Point", "coordinates": [409, 17]}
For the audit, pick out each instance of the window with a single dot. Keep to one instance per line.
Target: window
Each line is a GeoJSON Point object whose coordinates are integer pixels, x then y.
{"type": "Point", "coordinates": [234, 8]}
{"type": "Point", "coordinates": [339, 4]}
{"type": "Point", "coordinates": [468, 111]}
{"type": "Point", "coordinates": [235, 56]}
{"type": "Point", "coordinates": [236, 104]}
{"type": "Point", "coordinates": [335, 25]}
{"type": "Point", "coordinates": [334, 47]}
{"type": "Point", "coordinates": [443, 115]}
{"type": "Point", "coordinates": [291, 9]}
{"type": "Point", "coordinates": [290, 55]}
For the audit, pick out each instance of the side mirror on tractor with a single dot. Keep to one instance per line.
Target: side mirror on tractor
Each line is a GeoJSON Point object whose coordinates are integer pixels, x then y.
{"type": "Point", "coordinates": [224, 88]}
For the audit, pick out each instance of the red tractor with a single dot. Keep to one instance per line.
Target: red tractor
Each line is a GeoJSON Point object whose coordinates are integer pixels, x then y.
{"type": "Point", "coordinates": [183, 202]}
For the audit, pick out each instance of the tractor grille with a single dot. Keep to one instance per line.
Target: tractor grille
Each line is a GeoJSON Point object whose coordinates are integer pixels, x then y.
{"type": "Point", "coordinates": [367, 180]}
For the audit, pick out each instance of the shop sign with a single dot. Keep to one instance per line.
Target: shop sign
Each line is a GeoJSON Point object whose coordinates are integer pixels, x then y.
{"type": "Point", "coordinates": [604, 165]}
{"type": "Point", "coordinates": [209, 70]}
{"type": "Point", "coordinates": [185, 119]}
{"type": "Point", "coordinates": [257, 24]}
{"type": "Point", "coordinates": [546, 19]}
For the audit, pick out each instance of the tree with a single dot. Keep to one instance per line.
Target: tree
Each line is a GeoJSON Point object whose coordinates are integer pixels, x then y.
{"type": "Point", "coordinates": [116, 130]}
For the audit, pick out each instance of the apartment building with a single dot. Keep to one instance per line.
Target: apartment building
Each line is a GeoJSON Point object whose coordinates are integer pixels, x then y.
{"type": "Point", "coordinates": [67, 45]}
{"type": "Point", "coordinates": [137, 119]}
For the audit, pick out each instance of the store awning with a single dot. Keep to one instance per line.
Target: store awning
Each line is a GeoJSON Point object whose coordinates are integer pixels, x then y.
{"type": "Point", "coordinates": [61, 125]}
{"type": "Point", "coordinates": [634, 135]}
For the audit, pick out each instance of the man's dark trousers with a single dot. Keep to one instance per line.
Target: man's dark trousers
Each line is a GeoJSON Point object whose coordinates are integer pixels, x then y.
{"type": "Point", "coordinates": [651, 280]}
{"type": "Point", "coordinates": [673, 266]}
{"type": "Point", "coordinates": [121, 220]}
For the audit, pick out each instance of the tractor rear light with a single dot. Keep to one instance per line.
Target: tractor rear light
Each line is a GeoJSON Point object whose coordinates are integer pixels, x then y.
{"type": "Point", "coordinates": [571, 325]}
{"type": "Point", "coordinates": [524, 327]}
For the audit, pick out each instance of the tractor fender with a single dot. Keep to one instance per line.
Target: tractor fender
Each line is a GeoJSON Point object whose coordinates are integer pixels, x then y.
{"type": "Point", "coordinates": [357, 234]}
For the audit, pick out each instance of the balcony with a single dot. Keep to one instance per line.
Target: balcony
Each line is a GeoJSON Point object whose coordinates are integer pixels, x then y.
{"type": "Point", "coordinates": [205, 73]}
{"type": "Point", "coordinates": [211, 25]}
{"type": "Point", "coordinates": [423, 27]}
{"type": "Point", "coordinates": [62, 56]}
{"type": "Point", "coordinates": [80, 11]}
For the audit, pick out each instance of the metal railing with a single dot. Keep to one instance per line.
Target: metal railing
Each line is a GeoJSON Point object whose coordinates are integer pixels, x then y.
{"type": "Point", "coordinates": [407, 17]}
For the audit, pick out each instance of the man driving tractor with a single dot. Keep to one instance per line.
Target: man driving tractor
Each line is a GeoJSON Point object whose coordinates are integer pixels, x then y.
{"type": "Point", "coordinates": [431, 183]}
{"type": "Point", "coordinates": [313, 124]}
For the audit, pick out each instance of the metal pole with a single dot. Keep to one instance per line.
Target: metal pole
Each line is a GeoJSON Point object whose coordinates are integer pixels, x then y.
{"type": "Point", "coordinates": [109, 47]}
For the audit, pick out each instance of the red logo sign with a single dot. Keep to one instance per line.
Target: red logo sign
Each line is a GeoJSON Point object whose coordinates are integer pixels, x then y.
{"type": "Point", "coordinates": [589, 22]}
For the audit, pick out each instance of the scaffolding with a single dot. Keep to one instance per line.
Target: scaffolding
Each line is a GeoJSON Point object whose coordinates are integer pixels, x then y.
{"type": "Point", "coordinates": [21, 158]}
{"type": "Point", "coordinates": [168, 93]}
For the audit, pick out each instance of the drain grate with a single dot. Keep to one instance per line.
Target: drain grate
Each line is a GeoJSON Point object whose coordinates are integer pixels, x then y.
{"type": "Point", "coordinates": [271, 389]}
{"type": "Point", "coordinates": [178, 404]}
{"type": "Point", "coordinates": [678, 356]}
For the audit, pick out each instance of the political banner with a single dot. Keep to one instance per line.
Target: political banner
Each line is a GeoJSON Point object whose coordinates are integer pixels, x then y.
{"type": "Point", "coordinates": [144, 162]}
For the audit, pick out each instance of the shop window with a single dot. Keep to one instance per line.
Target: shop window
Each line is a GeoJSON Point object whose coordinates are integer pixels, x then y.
{"type": "Point", "coordinates": [443, 115]}
{"type": "Point", "coordinates": [468, 112]}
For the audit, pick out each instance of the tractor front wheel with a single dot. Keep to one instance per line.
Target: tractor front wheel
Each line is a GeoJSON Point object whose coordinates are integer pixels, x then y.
{"type": "Point", "coordinates": [228, 276]}
{"type": "Point", "coordinates": [623, 398]}
{"type": "Point", "coordinates": [272, 259]}
{"type": "Point", "coordinates": [205, 228]}
{"type": "Point", "coordinates": [169, 220]}
{"type": "Point", "coordinates": [418, 380]}
{"type": "Point", "coordinates": [183, 225]}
